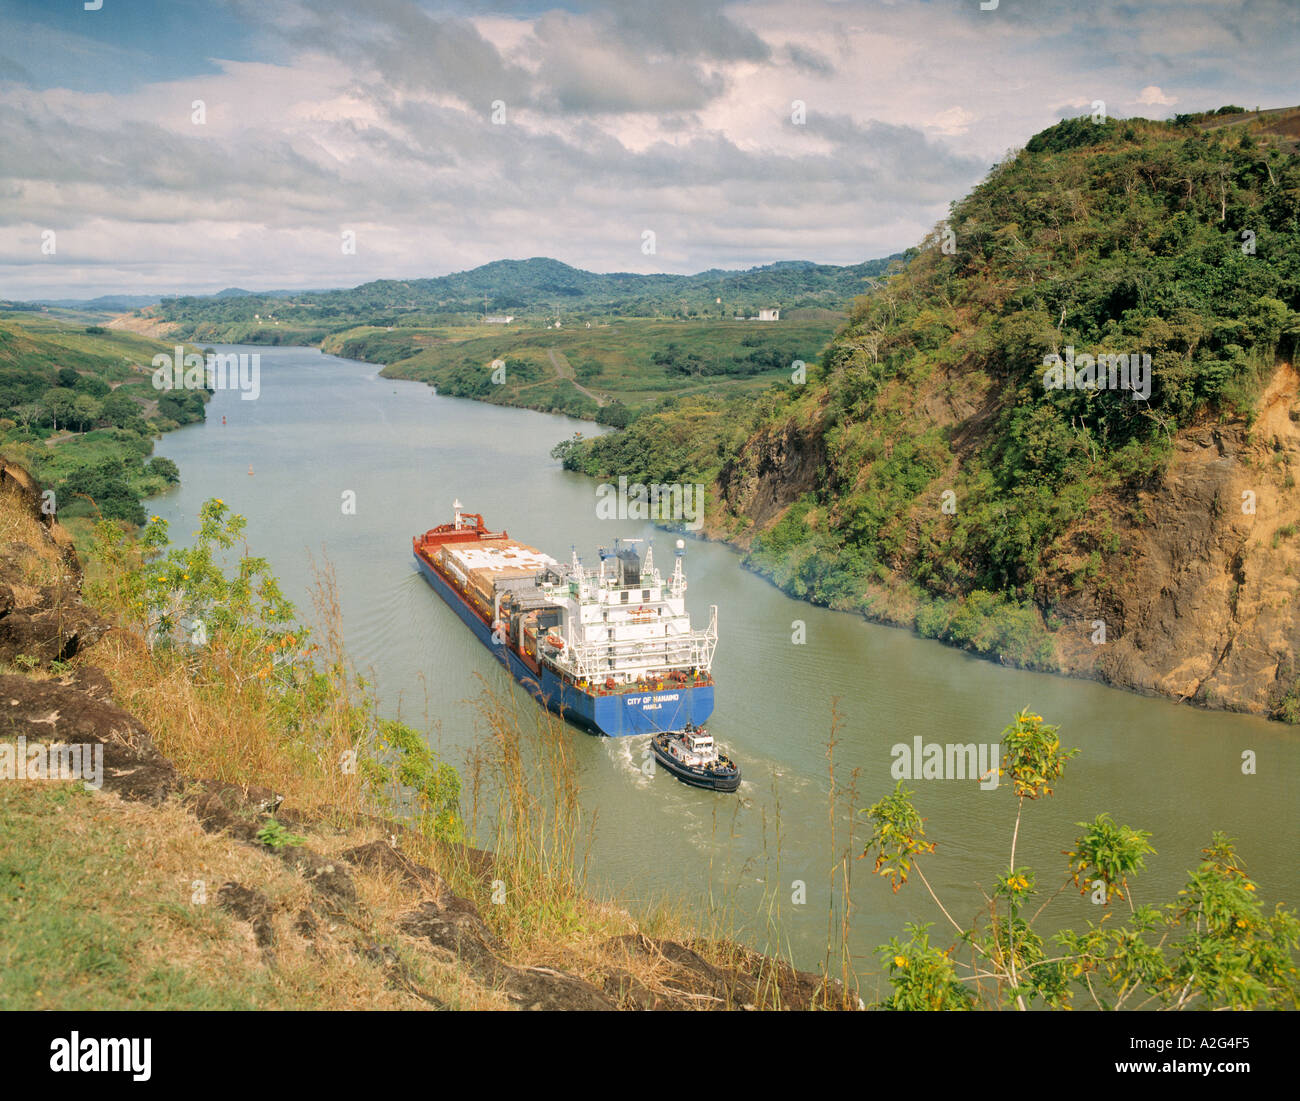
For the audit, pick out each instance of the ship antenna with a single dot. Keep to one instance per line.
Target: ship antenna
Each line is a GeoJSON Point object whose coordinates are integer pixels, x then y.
{"type": "Point", "coordinates": [679, 581]}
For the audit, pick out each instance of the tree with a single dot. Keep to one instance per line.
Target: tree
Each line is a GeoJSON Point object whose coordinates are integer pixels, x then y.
{"type": "Point", "coordinates": [108, 486]}
{"type": "Point", "coordinates": [164, 468]}
{"type": "Point", "coordinates": [60, 405]}
{"type": "Point", "coordinates": [27, 412]}
{"type": "Point", "coordinates": [86, 411]}
{"type": "Point", "coordinates": [121, 410]}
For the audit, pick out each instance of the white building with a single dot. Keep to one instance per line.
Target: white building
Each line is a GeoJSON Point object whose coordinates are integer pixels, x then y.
{"type": "Point", "coordinates": [771, 314]}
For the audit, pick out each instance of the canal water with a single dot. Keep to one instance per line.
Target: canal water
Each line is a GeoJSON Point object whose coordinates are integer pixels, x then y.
{"type": "Point", "coordinates": [324, 427]}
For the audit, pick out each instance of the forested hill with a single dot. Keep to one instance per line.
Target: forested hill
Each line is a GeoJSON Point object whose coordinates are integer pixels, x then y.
{"type": "Point", "coordinates": [927, 475]}
{"type": "Point", "coordinates": [537, 287]}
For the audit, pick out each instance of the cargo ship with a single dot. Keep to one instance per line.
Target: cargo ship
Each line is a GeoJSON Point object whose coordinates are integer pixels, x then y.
{"type": "Point", "coordinates": [611, 650]}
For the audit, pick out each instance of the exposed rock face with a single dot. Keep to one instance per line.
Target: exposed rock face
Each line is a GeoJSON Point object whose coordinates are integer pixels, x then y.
{"type": "Point", "coordinates": [774, 469]}
{"type": "Point", "coordinates": [41, 623]}
{"type": "Point", "coordinates": [253, 907]}
{"type": "Point", "coordinates": [689, 981]}
{"type": "Point", "coordinates": [460, 933]}
{"type": "Point", "coordinates": [1202, 599]}
{"type": "Point", "coordinates": [50, 713]}
{"type": "Point", "coordinates": [379, 856]}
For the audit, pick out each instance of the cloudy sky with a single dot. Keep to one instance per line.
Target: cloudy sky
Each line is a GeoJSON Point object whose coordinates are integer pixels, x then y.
{"type": "Point", "coordinates": [190, 145]}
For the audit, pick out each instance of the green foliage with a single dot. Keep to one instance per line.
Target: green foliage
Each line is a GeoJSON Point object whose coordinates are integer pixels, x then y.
{"type": "Point", "coordinates": [1033, 755]}
{"type": "Point", "coordinates": [176, 588]}
{"type": "Point", "coordinates": [91, 382]}
{"type": "Point", "coordinates": [1215, 947]}
{"type": "Point", "coordinates": [403, 772]}
{"type": "Point", "coordinates": [897, 836]}
{"type": "Point", "coordinates": [1074, 133]}
{"type": "Point", "coordinates": [1107, 853]}
{"type": "Point", "coordinates": [1287, 707]}
{"type": "Point", "coordinates": [615, 414]}
{"type": "Point", "coordinates": [274, 835]}
{"type": "Point", "coordinates": [105, 486]}
{"type": "Point", "coordinates": [164, 468]}
{"type": "Point", "coordinates": [922, 976]}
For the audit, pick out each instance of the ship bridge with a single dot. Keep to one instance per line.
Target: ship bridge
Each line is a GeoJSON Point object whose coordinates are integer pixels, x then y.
{"type": "Point", "coordinates": [626, 622]}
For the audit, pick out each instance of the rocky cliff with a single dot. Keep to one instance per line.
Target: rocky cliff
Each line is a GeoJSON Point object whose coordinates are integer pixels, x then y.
{"type": "Point", "coordinates": [1200, 597]}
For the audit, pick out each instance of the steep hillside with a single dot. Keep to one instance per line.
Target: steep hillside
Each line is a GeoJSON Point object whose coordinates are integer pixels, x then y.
{"type": "Point", "coordinates": [929, 475]}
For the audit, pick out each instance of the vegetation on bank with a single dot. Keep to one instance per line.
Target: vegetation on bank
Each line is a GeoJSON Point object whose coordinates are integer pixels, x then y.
{"type": "Point", "coordinates": [78, 409]}
{"type": "Point", "coordinates": [1214, 947]}
{"type": "Point", "coordinates": [953, 491]}
{"type": "Point", "coordinates": [609, 373]}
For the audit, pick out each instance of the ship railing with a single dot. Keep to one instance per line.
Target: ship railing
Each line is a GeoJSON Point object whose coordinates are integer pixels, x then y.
{"type": "Point", "coordinates": [687, 651]}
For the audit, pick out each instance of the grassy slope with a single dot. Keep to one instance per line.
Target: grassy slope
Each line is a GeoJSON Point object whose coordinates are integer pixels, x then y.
{"type": "Point", "coordinates": [614, 361]}
{"type": "Point", "coordinates": [35, 340]}
{"type": "Point", "coordinates": [113, 905]}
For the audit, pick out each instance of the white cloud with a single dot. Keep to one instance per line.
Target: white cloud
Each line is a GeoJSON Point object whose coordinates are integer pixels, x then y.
{"type": "Point", "coordinates": [1152, 96]}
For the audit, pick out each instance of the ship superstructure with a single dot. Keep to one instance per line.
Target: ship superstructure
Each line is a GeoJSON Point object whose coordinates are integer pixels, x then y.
{"type": "Point", "coordinates": [612, 649]}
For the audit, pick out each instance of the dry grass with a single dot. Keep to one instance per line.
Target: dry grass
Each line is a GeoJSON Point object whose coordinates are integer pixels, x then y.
{"type": "Point", "coordinates": [39, 561]}
{"type": "Point", "coordinates": [120, 910]}
{"type": "Point", "coordinates": [215, 720]}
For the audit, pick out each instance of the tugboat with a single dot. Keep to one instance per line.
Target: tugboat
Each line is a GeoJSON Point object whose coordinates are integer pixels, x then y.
{"type": "Point", "coordinates": [691, 756]}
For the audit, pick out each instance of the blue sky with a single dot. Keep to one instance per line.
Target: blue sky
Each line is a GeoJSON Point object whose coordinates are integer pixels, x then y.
{"type": "Point", "coordinates": [188, 146]}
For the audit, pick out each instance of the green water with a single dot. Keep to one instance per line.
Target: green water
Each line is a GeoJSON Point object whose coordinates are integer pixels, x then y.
{"type": "Point", "coordinates": [323, 426]}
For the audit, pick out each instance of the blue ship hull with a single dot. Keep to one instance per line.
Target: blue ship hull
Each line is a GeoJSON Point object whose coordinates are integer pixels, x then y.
{"type": "Point", "coordinates": [615, 714]}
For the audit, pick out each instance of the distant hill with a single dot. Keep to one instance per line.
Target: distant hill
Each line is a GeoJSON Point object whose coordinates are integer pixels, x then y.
{"type": "Point", "coordinates": [537, 287]}
{"type": "Point", "coordinates": [112, 303]}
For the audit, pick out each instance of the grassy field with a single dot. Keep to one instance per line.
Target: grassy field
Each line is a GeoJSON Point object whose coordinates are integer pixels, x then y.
{"type": "Point", "coordinates": [31, 341]}
{"type": "Point", "coordinates": [581, 370]}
